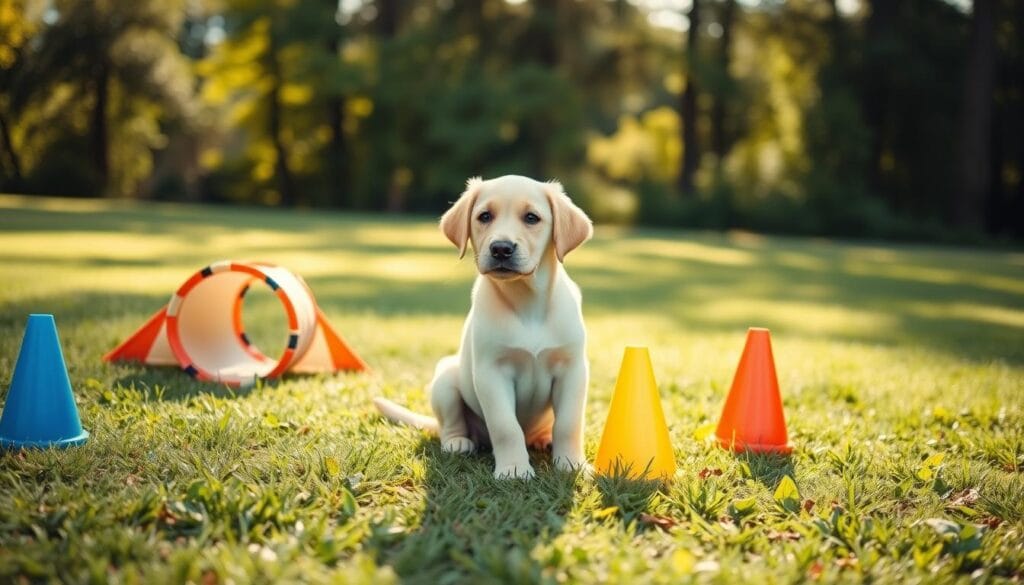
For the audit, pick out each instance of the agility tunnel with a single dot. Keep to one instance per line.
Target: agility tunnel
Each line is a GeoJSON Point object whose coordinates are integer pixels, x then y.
{"type": "Point", "coordinates": [201, 329]}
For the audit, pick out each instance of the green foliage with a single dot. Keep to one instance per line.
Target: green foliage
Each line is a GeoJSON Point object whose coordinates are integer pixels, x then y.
{"type": "Point", "coordinates": [810, 121]}
{"type": "Point", "coordinates": [96, 83]}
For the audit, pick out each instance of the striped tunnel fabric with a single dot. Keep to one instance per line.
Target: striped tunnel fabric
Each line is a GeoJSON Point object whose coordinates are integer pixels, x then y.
{"type": "Point", "coordinates": [205, 327]}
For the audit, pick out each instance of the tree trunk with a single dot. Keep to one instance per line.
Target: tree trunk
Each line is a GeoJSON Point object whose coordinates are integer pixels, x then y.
{"type": "Point", "coordinates": [338, 150]}
{"type": "Point", "coordinates": [387, 18]}
{"type": "Point", "coordinates": [875, 88]}
{"type": "Point", "coordinates": [285, 182]}
{"type": "Point", "coordinates": [100, 129]}
{"type": "Point", "coordinates": [546, 30]}
{"type": "Point", "coordinates": [12, 155]}
{"type": "Point", "coordinates": [688, 107]}
{"type": "Point", "coordinates": [383, 124]}
{"type": "Point", "coordinates": [543, 38]}
{"type": "Point", "coordinates": [976, 122]}
{"type": "Point", "coordinates": [719, 141]}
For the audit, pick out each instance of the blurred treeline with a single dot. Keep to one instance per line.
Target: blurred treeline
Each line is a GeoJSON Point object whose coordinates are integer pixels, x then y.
{"type": "Point", "coordinates": [850, 117]}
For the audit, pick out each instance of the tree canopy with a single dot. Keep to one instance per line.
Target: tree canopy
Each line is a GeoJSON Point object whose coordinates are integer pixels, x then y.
{"type": "Point", "coordinates": [875, 118]}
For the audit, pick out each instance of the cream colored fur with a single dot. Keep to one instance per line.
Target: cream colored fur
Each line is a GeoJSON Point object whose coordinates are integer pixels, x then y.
{"type": "Point", "coordinates": [520, 377]}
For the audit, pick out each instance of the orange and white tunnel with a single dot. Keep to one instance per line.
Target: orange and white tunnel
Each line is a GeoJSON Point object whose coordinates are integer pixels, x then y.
{"type": "Point", "coordinates": [201, 329]}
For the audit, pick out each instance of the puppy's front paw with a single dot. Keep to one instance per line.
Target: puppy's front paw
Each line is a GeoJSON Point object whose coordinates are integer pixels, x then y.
{"type": "Point", "coordinates": [523, 471]}
{"type": "Point", "coordinates": [458, 445]}
{"type": "Point", "coordinates": [572, 464]}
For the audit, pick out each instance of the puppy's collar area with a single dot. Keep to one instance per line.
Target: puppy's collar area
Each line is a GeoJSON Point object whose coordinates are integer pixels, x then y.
{"type": "Point", "coordinates": [530, 293]}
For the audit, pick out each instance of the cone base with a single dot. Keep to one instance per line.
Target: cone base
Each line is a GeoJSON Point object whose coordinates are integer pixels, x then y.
{"type": "Point", "coordinates": [14, 444]}
{"type": "Point", "coordinates": [738, 447]}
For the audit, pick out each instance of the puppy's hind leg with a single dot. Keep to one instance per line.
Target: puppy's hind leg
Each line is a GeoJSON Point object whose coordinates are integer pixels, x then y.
{"type": "Point", "coordinates": [448, 407]}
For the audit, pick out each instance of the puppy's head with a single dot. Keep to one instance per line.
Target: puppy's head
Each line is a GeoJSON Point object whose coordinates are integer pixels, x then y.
{"type": "Point", "coordinates": [513, 222]}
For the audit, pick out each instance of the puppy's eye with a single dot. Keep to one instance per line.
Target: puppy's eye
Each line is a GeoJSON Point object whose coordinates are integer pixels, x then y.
{"type": "Point", "coordinates": [485, 217]}
{"type": "Point", "coordinates": [531, 218]}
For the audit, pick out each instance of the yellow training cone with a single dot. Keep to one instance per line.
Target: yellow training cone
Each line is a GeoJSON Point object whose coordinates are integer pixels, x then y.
{"type": "Point", "coordinates": [635, 438]}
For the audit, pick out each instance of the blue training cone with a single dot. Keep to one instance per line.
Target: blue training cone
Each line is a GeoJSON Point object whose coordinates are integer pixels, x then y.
{"type": "Point", "coordinates": [40, 410]}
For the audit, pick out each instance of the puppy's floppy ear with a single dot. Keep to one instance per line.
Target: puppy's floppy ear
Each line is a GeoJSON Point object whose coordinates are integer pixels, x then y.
{"type": "Point", "coordinates": [455, 221]}
{"type": "Point", "coordinates": [570, 226]}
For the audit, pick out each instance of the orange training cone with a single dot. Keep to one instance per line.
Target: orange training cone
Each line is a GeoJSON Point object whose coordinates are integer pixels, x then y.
{"type": "Point", "coordinates": [148, 345]}
{"type": "Point", "coordinates": [752, 419]}
{"type": "Point", "coordinates": [635, 438]}
{"type": "Point", "coordinates": [329, 352]}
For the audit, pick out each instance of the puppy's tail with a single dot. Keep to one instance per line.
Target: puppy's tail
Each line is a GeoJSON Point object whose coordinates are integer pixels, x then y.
{"type": "Point", "coordinates": [400, 414]}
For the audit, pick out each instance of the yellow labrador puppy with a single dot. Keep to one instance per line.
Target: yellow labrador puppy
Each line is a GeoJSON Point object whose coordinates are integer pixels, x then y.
{"type": "Point", "coordinates": [521, 373]}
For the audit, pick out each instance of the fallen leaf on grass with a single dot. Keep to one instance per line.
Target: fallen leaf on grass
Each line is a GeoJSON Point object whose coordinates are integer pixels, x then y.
{"type": "Point", "coordinates": [847, 562]}
{"type": "Point", "coordinates": [705, 473]}
{"type": "Point", "coordinates": [704, 432]}
{"type": "Point", "coordinates": [929, 467]}
{"type": "Point", "coordinates": [683, 561]}
{"type": "Point", "coordinates": [964, 498]}
{"type": "Point", "coordinates": [706, 566]}
{"type": "Point", "coordinates": [166, 516]}
{"type": "Point", "coordinates": [808, 504]}
{"type": "Point", "coordinates": [784, 535]}
{"type": "Point", "coordinates": [663, 522]}
{"type": "Point", "coordinates": [815, 570]}
{"type": "Point", "coordinates": [992, 521]}
{"type": "Point", "coordinates": [605, 512]}
{"type": "Point", "coordinates": [787, 496]}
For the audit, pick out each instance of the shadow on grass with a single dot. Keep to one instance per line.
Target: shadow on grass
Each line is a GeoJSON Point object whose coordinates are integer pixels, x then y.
{"type": "Point", "coordinates": [477, 529]}
{"type": "Point", "coordinates": [768, 469]}
{"type": "Point", "coordinates": [965, 303]}
{"type": "Point", "coordinates": [171, 384]}
{"type": "Point", "coordinates": [631, 497]}
{"type": "Point", "coordinates": [111, 318]}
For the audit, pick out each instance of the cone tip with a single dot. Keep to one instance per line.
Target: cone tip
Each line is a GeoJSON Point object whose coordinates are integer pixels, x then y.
{"type": "Point", "coordinates": [759, 330]}
{"type": "Point", "coordinates": [39, 317]}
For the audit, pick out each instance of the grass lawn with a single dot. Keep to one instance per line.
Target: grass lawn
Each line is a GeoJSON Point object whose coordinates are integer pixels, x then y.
{"type": "Point", "coordinates": [901, 367]}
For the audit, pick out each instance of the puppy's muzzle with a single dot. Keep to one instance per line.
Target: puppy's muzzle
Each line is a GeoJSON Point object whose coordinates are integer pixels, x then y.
{"type": "Point", "coordinates": [503, 261]}
{"type": "Point", "coordinates": [502, 250]}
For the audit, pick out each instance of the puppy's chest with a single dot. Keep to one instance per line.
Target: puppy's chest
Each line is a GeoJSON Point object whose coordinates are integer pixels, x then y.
{"type": "Point", "coordinates": [550, 361]}
{"type": "Point", "coordinates": [533, 376]}
{"type": "Point", "coordinates": [539, 348]}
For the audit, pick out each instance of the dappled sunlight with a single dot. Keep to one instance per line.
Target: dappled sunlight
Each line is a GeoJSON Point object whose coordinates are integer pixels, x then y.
{"type": "Point", "coordinates": [650, 285]}
{"type": "Point", "coordinates": [685, 250]}
{"type": "Point", "coordinates": [934, 275]}
{"type": "Point", "coordinates": [800, 261]}
{"type": "Point", "coordinates": [805, 318]}
{"type": "Point", "coordinates": [972, 312]}
{"type": "Point", "coordinates": [99, 246]}
{"type": "Point", "coordinates": [12, 202]}
{"type": "Point", "coordinates": [418, 234]}
{"type": "Point", "coordinates": [745, 239]}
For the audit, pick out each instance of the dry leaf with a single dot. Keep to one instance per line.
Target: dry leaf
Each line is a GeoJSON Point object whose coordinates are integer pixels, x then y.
{"type": "Point", "coordinates": [964, 498]}
{"type": "Point", "coordinates": [663, 522]}
{"type": "Point", "coordinates": [706, 473]}
{"type": "Point", "coordinates": [847, 562]}
{"type": "Point", "coordinates": [785, 535]}
{"type": "Point", "coordinates": [992, 521]}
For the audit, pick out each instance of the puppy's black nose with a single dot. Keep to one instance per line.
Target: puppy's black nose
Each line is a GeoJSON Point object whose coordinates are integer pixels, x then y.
{"type": "Point", "coordinates": [502, 249]}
